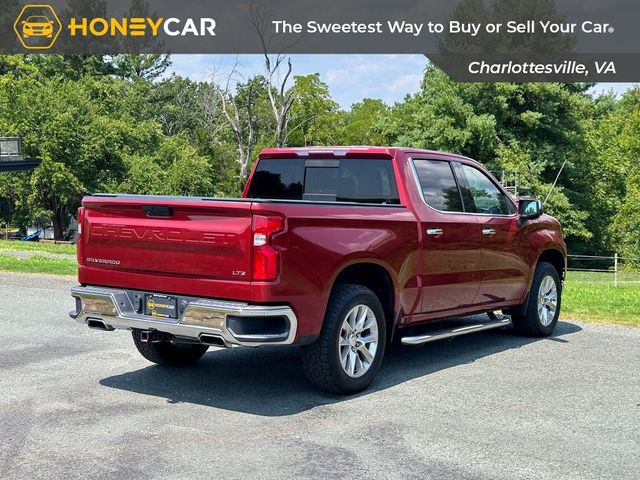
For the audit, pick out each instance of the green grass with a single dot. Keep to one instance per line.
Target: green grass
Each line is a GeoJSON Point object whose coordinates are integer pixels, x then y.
{"type": "Point", "coordinates": [38, 264]}
{"type": "Point", "coordinates": [603, 278]}
{"type": "Point", "coordinates": [37, 247]}
{"type": "Point", "coordinates": [591, 297]}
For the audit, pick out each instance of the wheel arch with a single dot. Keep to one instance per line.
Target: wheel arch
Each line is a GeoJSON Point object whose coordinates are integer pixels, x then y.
{"type": "Point", "coordinates": [377, 277]}
{"type": "Point", "coordinates": [553, 255]}
{"type": "Point", "coordinates": [556, 258]}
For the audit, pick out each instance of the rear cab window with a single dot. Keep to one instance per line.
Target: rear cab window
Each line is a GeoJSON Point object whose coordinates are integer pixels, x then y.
{"type": "Point", "coordinates": [333, 180]}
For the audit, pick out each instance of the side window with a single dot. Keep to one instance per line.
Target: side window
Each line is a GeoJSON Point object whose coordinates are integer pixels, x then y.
{"type": "Point", "coordinates": [439, 187]}
{"type": "Point", "coordinates": [487, 198]}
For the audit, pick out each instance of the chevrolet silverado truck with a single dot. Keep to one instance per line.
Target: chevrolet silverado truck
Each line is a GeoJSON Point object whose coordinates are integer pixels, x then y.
{"type": "Point", "coordinates": [336, 250]}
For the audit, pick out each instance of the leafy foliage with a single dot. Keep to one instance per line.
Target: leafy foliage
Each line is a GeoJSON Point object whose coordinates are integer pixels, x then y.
{"type": "Point", "coordinates": [116, 124]}
{"type": "Point", "coordinates": [314, 115]}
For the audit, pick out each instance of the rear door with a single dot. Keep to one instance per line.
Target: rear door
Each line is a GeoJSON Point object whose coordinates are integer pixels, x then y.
{"type": "Point", "coordinates": [503, 269]}
{"type": "Point", "coordinates": [451, 252]}
{"type": "Point", "coordinates": [170, 237]}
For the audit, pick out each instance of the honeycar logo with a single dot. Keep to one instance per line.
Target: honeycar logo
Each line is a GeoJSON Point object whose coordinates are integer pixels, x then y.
{"type": "Point", "coordinates": [141, 26]}
{"type": "Point", "coordinates": [152, 304]}
{"type": "Point", "coordinates": [37, 27]}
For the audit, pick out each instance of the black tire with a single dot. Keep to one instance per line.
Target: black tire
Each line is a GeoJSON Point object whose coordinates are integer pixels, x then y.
{"type": "Point", "coordinates": [167, 353]}
{"type": "Point", "coordinates": [321, 359]}
{"type": "Point", "coordinates": [526, 319]}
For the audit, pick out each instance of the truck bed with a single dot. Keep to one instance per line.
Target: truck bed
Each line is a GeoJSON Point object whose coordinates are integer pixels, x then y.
{"type": "Point", "coordinates": [203, 247]}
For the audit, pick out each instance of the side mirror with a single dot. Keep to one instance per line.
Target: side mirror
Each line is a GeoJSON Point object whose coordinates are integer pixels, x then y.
{"type": "Point", "coordinates": [529, 208]}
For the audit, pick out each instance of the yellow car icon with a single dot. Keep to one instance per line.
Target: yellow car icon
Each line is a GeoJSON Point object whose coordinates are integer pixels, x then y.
{"type": "Point", "coordinates": [37, 26]}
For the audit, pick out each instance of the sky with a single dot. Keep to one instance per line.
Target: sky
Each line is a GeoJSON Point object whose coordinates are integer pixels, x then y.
{"type": "Point", "coordinates": [350, 77]}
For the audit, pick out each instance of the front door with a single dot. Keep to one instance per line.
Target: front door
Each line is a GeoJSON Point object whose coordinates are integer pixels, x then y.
{"type": "Point", "coordinates": [503, 269]}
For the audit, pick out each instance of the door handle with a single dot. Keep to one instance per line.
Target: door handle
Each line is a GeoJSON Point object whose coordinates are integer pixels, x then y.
{"type": "Point", "coordinates": [435, 231]}
{"type": "Point", "coordinates": [488, 231]}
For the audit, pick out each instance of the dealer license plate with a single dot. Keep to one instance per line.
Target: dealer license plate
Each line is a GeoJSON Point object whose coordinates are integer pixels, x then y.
{"type": "Point", "coordinates": [162, 306]}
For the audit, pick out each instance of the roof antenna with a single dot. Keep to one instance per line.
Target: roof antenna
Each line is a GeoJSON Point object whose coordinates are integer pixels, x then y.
{"type": "Point", "coordinates": [554, 183]}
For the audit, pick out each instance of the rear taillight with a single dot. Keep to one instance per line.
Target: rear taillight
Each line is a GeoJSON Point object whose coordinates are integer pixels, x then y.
{"type": "Point", "coordinates": [79, 242]}
{"type": "Point", "coordinates": [265, 263]}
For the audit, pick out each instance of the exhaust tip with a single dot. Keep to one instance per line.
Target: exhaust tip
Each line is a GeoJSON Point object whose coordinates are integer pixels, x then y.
{"type": "Point", "coordinates": [212, 340]}
{"type": "Point", "coordinates": [98, 324]}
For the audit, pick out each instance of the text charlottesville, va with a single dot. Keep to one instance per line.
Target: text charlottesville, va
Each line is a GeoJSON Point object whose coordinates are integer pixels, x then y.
{"type": "Point", "coordinates": [567, 67]}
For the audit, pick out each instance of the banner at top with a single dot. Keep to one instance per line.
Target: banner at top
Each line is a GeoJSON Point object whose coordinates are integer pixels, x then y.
{"type": "Point", "coordinates": [497, 40]}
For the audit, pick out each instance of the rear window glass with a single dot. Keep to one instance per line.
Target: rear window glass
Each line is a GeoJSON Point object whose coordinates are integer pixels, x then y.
{"type": "Point", "coordinates": [320, 181]}
{"type": "Point", "coordinates": [281, 179]}
{"type": "Point", "coordinates": [344, 180]}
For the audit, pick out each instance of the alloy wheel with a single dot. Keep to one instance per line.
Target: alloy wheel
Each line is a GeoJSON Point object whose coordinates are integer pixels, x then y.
{"type": "Point", "coordinates": [547, 300]}
{"type": "Point", "coordinates": [358, 341]}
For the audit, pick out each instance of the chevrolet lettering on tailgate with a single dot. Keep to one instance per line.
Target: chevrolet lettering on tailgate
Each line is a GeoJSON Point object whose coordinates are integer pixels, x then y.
{"type": "Point", "coordinates": [160, 234]}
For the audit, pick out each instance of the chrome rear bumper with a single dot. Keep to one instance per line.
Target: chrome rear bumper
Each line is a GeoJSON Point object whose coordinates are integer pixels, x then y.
{"type": "Point", "coordinates": [199, 320]}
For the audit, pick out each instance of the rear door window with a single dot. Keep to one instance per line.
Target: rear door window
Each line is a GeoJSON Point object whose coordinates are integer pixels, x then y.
{"type": "Point", "coordinates": [438, 184]}
{"type": "Point", "coordinates": [344, 180]}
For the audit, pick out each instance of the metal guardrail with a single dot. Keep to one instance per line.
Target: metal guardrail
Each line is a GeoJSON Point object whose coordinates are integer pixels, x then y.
{"type": "Point", "coordinates": [614, 269]}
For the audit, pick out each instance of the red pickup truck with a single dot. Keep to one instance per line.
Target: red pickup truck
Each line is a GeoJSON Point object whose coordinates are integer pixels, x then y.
{"type": "Point", "coordinates": [337, 250]}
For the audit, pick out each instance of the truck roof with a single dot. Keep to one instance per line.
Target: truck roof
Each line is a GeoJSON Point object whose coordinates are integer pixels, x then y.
{"type": "Point", "coordinates": [351, 150]}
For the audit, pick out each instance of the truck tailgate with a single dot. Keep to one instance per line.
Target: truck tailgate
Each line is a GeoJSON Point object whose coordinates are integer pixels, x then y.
{"type": "Point", "coordinates": [168, 236]}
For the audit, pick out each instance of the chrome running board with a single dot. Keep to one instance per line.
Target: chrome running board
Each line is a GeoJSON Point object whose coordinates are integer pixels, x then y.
{"type": "Point", "coordinates": [455, 332]}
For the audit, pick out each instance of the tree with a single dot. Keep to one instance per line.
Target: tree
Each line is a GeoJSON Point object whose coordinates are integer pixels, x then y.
{"type": "Point", "coordinates": [614, 185]}
{"type": "Point", "coordinates": [238, 109]}
{"type": "Point", "coordinates": [83, 129]}
{"type": "Point", "coordinates": [625, 227]}
{"type": "Point", "coordinates": [141, 66]}
{"type": "Point", "coordinates": [280, 98]}
{"type": "Point", "coordinates": [360, 123]}
{"type": "Point", "coordinates": [138, 64]}
{"type": "Point", "coordinates": [15, 65]}
{"type": "Point", "coordinates": [315, 116]}
{"type": "Point", "coordinates": [174, 168]}
{"type": "Point", "coordinates": [55, 192]}
{"type": "Point", "coordinates": [72, 67]}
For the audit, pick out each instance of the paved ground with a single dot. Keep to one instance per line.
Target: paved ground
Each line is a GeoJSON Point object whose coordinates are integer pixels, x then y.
{"type": "Point", "coordinates": [76, 403]}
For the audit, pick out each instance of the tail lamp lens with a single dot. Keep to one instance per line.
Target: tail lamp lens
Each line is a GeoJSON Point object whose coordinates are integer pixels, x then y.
{"type": "Point", "coordinates": [265, 258]}
{"type": "Point", "coordinates": [79, 241]}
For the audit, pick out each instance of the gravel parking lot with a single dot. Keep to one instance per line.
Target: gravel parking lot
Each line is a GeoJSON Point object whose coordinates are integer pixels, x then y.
{"type": "Point", "coordinates": [76, 403]}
